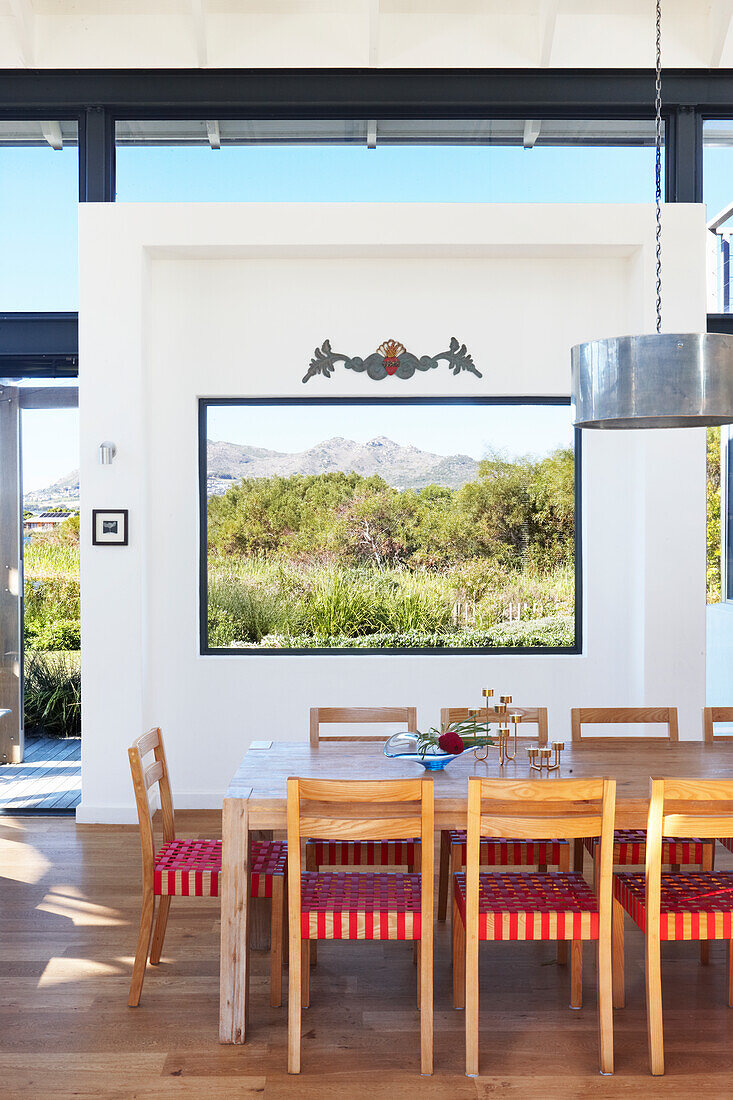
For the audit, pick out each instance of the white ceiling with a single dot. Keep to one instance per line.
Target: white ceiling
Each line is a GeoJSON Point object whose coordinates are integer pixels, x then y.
{"type": "Point", "coordinates": [351, 33]}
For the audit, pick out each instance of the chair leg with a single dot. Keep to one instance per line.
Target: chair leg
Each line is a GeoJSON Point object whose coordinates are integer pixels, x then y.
{"type": "Point", "coordinates": [311, 865]}
{"type": "Point", "coordinates": [443, 874]}
{"type": "Point", "coordinates": [619, 984]}
{"type": "Point", "coordinates": [708, 861]}
{"type": "Point", "coordinates": [564, 867]}
{"type": "Point", "coordinates": [294, 1009]}
{"type": "Point", "coordinates": [305, 977]}
{"type": "Point", "coordinates": [576, 973]}
{"type": "Point", "coordinates": [730, 974]}
{"type": "Point", "coordinates": [655, 1031]}
{"type": "Point", "coordinates": [425, 971]}
{"type": "Point", "coordinates": [578, 853]}
{"type": "Point", "coordinates": [276, 942]}
{"type": "Point", "coordinates": [141, 952]}
{"type": "Point", "coordinates": [605, 1004]}
{"type": "Point", "coordinates": [161, 923]}
{"type": "Point", "coordinates": [419, 973]}
{"type": "Point", "coordinates": [459, 959]}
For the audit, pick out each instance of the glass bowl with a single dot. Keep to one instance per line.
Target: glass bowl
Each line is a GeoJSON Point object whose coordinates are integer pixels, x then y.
{"type": "Point", "coordinates": [404, 746]}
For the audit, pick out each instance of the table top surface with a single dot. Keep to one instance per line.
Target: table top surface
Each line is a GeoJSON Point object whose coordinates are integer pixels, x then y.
{"type": "Point", "coordinates": [262, 775]}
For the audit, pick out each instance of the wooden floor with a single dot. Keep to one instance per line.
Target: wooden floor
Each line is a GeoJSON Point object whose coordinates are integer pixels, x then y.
{"type": "Point", "coordinates": [48, 779]}
{"type": "Point", "coordinates": [68, 922]}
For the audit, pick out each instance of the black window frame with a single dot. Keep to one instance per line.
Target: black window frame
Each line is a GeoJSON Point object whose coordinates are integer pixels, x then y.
{"type": "Point", "coordinates": [205, 650]}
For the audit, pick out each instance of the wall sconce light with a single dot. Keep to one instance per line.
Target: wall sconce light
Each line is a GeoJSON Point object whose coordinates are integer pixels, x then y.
{"type": "Point", "coordinates": [107, 452]}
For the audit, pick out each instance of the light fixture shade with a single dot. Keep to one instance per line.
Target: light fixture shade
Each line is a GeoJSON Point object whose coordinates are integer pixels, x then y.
{"type": "Point", "coordinates": [662, 380]}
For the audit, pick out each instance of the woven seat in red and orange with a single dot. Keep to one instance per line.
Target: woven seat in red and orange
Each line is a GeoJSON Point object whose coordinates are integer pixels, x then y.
{"type": "Point", "coordinates": [532, 906]}
{"type": "Point", "coordinates": [629, 850]}
{"type": "Point", "coordinates": [337, 905]}
{"type": "Point", "coordinates": [697, 905]}
{"type": "Point", "coordinates": [192, 868]}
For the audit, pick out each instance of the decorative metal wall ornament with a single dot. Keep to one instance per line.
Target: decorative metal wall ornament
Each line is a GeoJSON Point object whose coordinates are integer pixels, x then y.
{"type": "Point", "coordinates": [390, 358]}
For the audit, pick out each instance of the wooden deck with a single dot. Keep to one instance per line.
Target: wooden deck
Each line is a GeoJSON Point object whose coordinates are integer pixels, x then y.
{"type": "Point", "coordinates": [68, 926]}
{"type": "Point", "coordinates": [49, 779]}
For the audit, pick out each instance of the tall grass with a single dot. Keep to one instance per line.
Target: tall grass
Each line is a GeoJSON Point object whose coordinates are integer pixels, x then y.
{"type": "Point", "coordinates": [53, 695]}
{"type": "Point", "coordinates": [251, 598]}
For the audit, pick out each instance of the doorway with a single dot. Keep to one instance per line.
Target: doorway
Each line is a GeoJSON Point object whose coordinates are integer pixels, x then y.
{"type": "Point", "coordinates": [40, 674]}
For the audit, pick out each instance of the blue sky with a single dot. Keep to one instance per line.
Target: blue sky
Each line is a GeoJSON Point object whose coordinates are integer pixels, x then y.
{"type": "Point", "coordinates": [474, 430]}
{"type": "Point", "coordinates": [38, 209]}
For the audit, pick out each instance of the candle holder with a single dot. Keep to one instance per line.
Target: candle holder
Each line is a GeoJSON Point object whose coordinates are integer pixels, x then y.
{"type": "Point", "coordinates": [540, 759]}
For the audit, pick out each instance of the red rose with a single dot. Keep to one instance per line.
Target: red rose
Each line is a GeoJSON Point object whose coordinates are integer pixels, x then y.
{"type": "Point", "coordinates": [451, 743]}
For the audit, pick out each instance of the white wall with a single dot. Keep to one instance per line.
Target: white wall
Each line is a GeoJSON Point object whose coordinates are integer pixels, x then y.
{"type": "Point", "coordinates": [179, 302]}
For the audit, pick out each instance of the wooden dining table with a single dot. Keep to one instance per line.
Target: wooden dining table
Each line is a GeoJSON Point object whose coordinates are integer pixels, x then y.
{"type": "Point", "coordinates": [256, 800]}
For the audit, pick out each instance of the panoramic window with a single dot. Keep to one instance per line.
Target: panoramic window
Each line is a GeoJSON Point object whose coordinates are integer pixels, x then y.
{"type": "Point", "coordinates": [385, 160]}
{"type": "Point", "coordinates": [718, 197]}
{"type": "Point", "coordinates": [403, 524]}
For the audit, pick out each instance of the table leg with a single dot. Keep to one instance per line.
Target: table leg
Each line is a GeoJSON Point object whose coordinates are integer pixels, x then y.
{"type": "Point", "coordinates": [235, 908]}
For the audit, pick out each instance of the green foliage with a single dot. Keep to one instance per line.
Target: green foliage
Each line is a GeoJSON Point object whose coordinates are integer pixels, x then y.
{"type": "Point", "coordinates": [517, 513]}
{"type": "Point", "coordinates": [713, 515]}
{"type": "Point", "coordinates": [52, 598]}
{"type": "Point", "coordinates": [53, 695]}
{"type": "Point", "coordinates": [552, 631]}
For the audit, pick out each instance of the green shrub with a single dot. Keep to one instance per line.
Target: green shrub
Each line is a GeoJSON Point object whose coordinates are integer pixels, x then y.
{"type": "Point", "coordinates": [552, 631]}
{"type": "Point", "coordinates": [53, 695]}
{"type": "Point", "coordinates": [53, 635]}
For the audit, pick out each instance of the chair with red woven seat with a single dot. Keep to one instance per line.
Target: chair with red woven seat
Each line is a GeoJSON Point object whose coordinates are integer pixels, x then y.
{"type": "Point", "coordinates": [534, 905]}
{"type": "Point", "coordinates": [360, 853]}
{"type": "Point", "coordinates": [375, 905]}
{"type": "Point", "coordinates": [496, 851]}
{"type": "Point", "coordinates": [192, 868]}
{"type": "Point", "coordinates": [695, 905]}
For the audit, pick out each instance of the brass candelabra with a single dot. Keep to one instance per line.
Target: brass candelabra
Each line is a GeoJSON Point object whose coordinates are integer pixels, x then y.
{"type": "Point", "coordinates": [540, 759]}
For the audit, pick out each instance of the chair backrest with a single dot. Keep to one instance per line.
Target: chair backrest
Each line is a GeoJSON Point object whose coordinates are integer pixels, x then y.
{"type": "Point", "coordinates": [561, 809]}
{"type": "Point", "coordinates": [710, 716]}
{"type": "Point", "coordinates": [530, 715]}
{"type": "Point", "coordinates": [681, 808]}
{"type": "Point", "coordinates": [352, 809]}
{"type": "Point", "coordinates": [321, 716]}
{"type": "Point", "coordinates": [666, 716]}
{"type": "Point", "coordinates": [143, 778]}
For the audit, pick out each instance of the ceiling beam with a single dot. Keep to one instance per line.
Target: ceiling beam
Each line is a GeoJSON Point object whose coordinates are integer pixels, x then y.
{"type": "Point", "coordinates": [213, 133]}
{"type": "Point", "coordinates": [25, 30]}
{"type": "Point", "coordinates": [361, 93]}
{"type": "Point", "coordinates": [721, 26]}
{"type": "Point", "coordinates": [52, 133]}
{"type": "Point", "coordinates": [198, 20]}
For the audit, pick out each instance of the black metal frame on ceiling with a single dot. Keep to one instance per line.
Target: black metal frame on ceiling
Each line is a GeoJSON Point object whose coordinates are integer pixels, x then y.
{"type": "Point", "coordinates": [97, 98]}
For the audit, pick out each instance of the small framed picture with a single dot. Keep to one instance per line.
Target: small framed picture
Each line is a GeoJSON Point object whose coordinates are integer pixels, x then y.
{"type": "Point", "coordinates": [109, 527]}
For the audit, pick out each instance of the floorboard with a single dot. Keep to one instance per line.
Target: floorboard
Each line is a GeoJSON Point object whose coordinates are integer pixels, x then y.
{"type": "Point", "coordinates": [49, 778]}
{"type": "Point", "coordinates": [69, 902]}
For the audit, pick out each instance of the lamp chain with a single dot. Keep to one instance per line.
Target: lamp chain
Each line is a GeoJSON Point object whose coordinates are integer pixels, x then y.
{"type": "Point", "coordinates": [658, 161]}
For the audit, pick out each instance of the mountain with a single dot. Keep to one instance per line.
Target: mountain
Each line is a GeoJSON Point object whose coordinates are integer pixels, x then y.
{"type": "Point", "coordinates": [63, 491]}
{"type": "Point", "coordinates": [405, 467]}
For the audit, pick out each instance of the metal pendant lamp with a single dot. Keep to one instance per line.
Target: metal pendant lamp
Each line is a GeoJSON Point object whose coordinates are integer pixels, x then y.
{"type": "Point", "coordinates": [661, 380]}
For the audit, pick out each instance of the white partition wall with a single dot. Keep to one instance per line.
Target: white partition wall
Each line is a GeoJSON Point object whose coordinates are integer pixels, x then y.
{"type": "Point", "coordinates": [182, 302]}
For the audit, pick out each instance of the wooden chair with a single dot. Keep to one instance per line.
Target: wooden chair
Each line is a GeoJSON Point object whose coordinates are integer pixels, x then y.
{"type": "Point", "coordinates": [710, 716]}
{"type": "Point", "coordinates": [535, 906]}
{"type": "Point", "coordinates": [191, 868]}
{"type": "Point", "coordinates": [320, 852]}
{"type": "Point", "coordinates": [688, 906]}
{"type": "Point", "coordinates": [494, 852]}
{"type": "Point", "coordinates": [374, 906]}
